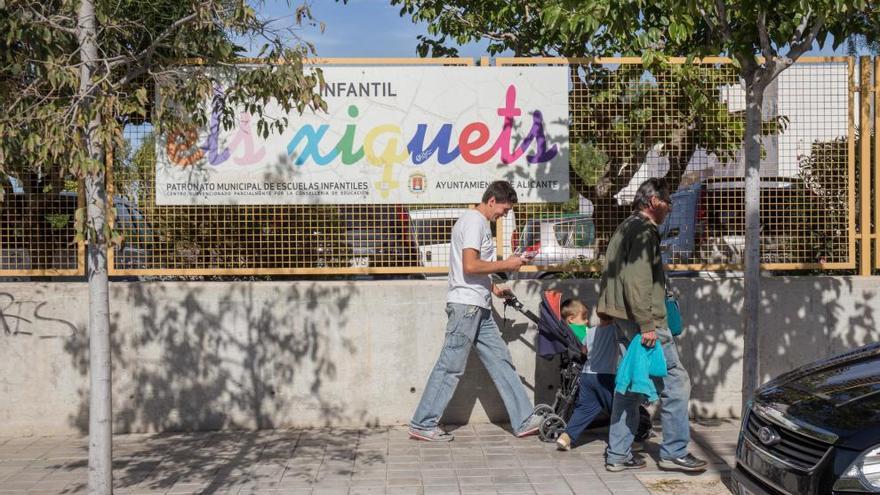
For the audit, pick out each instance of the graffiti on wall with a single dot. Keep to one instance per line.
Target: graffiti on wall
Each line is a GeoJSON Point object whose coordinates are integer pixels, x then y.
{"type": "Point", "coordinates": [31, 318]}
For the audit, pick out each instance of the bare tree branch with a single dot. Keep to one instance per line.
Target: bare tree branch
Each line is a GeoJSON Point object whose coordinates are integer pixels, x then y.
{"type": "Point", "coordinates": [497, 36]}
{"type": "Point", "coordinates": [799, 32]}
{"type": "Point", "coordinates": [766, 49]}
{"type": "Point", "coordinates": [708, 19]}
{"type": "Point", "coordinates": [147, 52]}
{"type": "Point", "coordinates": [54, 23]}
{"type": "Point", "coordinates": [723, 21]}
{"type": "Point", "coordinates": [798, 48]}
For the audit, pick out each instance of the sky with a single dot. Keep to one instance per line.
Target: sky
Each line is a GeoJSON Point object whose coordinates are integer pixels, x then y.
{"type": "Point", "coordinates": [360, 28]}
{"type": "Point", "coordinates": [374, 28]}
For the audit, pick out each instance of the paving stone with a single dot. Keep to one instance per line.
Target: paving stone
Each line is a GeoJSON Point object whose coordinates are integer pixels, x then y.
{"type": "Point", "coordinates": [439, 480]}
{"type": "Point", "coordinates": [442, 490]}
{"type": "Point", "coordinates": [515, 488]}
{"type": "Point", "coordinates": [409, 481]}
{"type": "Point", "coordinates": [483, 459]}
{"type": "Point", "coordinates": [367, 490]}
{"type": "Point", "coordinates": [405, 490]}
{"type": "Point", "coordinates": [552, 488]}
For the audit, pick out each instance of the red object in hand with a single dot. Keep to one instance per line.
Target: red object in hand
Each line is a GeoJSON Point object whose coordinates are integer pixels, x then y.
{"type": "Point", "coordinates": [531, 251]}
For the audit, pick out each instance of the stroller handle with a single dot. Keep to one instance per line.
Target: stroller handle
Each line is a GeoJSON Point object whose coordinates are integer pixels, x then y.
{"type": "Point", "coordinates": [516, 304]}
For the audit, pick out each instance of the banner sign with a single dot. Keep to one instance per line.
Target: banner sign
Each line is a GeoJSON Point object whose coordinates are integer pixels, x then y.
{"type": "Point", "coordinates": [390, 135]}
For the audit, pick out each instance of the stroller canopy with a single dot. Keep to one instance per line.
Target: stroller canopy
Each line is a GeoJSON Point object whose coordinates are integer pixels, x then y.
{"type": "Point", "coordinates": [554, 334]}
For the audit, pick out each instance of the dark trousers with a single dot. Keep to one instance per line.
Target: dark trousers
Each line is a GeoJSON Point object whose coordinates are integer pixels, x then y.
{"type": "Point", "coordinates": [595, 396]}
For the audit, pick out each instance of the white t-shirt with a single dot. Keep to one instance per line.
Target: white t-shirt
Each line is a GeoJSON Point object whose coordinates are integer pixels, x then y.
{"type": "Point", "coordinates": [472, 231]}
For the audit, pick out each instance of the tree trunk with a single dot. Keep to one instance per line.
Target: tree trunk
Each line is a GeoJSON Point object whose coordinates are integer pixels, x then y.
{"type": "Point", "coordinates": [752, 257]}
{"type": "Point", "coordinates": [100, 439]}
{"type": "Point", "coordinates": [100, 410]}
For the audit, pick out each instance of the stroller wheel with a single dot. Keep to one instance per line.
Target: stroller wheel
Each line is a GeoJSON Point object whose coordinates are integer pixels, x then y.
{"type": "Point", "coordinates": [543, 410]}
{"type": "Point", "coordinates": [551, 428]}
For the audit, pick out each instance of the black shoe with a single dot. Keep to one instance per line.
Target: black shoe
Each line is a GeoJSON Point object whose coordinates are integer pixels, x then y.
{"type": "Point", "coordinates": [686, 463]}
{"type": "Point", "coordinates": [636, 462]}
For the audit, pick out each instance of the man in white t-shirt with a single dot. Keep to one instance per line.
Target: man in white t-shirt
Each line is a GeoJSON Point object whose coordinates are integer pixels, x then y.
{"type": "Point", "coordinates": [469, 308]}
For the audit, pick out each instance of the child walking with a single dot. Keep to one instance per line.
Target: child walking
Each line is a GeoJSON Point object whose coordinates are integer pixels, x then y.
{"type": "Point", "coordinates": [596, 390]}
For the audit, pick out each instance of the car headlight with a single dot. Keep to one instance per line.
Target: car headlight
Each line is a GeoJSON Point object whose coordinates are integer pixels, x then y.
{"type": "Point", "coordinates": [863, 474]}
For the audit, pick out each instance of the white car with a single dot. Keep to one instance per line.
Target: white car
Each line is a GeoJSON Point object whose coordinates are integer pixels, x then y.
{"type": "Point", "coordinates": [432, 231]}
{"type": "Point", "coordinates": [556, 240]}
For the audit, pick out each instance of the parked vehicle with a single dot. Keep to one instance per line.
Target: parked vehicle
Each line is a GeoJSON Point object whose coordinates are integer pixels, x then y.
{"type": "Point", "coordinates": [678, 233]}
{"type": "Point", "coordinates": [378, 237]}
{"type": "Point", "coordinates": [139, 236]}
{"type": "Point", "coordinates": [558, 239]}
{"type": "Point", "coordinates": [814, 430]}
{"type": "Point", "coordinates": [707, 221]}
{"type": "Point", "coordinates": [432, 232]}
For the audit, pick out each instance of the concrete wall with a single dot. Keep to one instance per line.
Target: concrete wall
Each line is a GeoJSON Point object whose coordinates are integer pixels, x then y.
{"type": "Point", "coordinates": [206, 355]}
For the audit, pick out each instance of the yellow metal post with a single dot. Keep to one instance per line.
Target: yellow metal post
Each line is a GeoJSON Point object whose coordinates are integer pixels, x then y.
{"type": "Point", "coordinates": [110, 208]}
{"type": "Point", "coordinates": [851, 162]}
{"type": "Point", "coordinates": [865, 165]}
{"type": "Point", "coordinates": [499, 238]}
{"type": "Point", "coordinates": [876, 159]}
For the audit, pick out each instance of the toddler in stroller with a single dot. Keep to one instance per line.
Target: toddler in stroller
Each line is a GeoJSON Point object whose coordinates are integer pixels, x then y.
{"type": "Point", "coordinates": [582, 394]}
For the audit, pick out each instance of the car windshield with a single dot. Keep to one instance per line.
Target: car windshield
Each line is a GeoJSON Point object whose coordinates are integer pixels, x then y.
{"type": "Point", "coordinates": [364, 241]}
{"type": "Point", "coordinates": [531, 233]}
{"type": "Point", "coordinates": [132, 222]}
{"type": "Point", "coordinates": [576, 234]}
{"type": "Point", "coordinates": [433, 231]}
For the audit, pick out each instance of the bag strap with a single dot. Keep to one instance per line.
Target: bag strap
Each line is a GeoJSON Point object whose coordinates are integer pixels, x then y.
{"type": "Point", "coordinates": [666, 287]}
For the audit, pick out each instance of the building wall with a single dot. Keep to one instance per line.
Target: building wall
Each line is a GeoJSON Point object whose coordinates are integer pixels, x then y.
{"type": "Point", "coordinates": [208, 355]}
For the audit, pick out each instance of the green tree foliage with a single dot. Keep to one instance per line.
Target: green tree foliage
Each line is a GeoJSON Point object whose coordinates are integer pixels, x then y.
{"type": "Point", "coordinates": [180, 49]}
{"type": "Point", "coordinates": [73, 73]}
{"type": "Point", "coordinates": [141, 45]}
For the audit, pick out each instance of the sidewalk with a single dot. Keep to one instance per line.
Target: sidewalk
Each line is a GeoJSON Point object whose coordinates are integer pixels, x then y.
{"type": "Point", "coordinates": [483, 459]}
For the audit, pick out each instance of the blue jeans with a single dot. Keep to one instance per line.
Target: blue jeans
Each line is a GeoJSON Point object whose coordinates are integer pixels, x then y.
{"type": "Point", "coordinates": [595, 395]}
{"type": "Point", "coordinates": [674, 390]}
{"type": "Point", "coordinates": [472, 326]}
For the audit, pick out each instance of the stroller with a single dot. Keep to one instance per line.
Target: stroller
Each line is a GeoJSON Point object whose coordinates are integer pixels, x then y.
{"type": "Point", "coordinates": [557, 339]}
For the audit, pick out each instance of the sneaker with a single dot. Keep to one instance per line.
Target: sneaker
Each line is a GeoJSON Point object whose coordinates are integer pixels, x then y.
{"type": "Point", "coordinates": [531, 426]}
{"type": "Point", "coordinates": [635, 462]}
{"type": "Point", "coordinates": [433, 435]}
{"type": "Point", "coordinates": [563, 442]}
{"type": "Point", "coordinates": [637, 446]}
{"type": "Point", "coordinates": [685, 463]}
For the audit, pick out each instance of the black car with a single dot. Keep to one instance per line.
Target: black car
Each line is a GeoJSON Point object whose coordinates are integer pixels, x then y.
{"type": "Point", "coordinates": [814, 430]}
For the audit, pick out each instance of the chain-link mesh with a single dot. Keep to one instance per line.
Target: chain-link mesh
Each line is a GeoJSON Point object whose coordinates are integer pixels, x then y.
{"type": "Point", "coordinates": [685, 123]}
{"type": "Point", "coordinates": [37, 233]}
{"type": "Point", "coordinates": [682, 121]}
